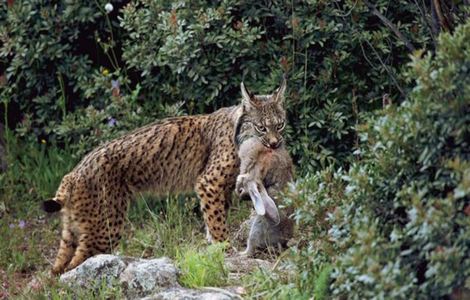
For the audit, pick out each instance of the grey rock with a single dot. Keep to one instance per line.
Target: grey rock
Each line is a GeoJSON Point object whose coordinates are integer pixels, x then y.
{"type": "Point", "coordinates": [143, 276]}
{"type": "Point", "coordinates": [192, 294]}
{"type": "Point", "coordinates": [94, 271]}
{"type": "Point", "coordinates": [243, 264]}
{"type": "Point", "coordinates": [138, 278]}
{"type": "Point", "coordinates": [238, 266]}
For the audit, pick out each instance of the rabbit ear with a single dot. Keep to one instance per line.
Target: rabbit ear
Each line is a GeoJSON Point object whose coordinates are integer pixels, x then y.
{"type": "Point", "coordinates": [264, 205]}
{"type": "Point", "coordinates": [256, 198]}
{"type": "Point", "coordinates": [269, 206]}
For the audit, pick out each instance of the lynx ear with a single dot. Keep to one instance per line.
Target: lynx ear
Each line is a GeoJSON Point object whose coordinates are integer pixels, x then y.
{"type": "Point", "coordinates": [279, 93]}
{"type": "Point", "coordinates": [248, 101]}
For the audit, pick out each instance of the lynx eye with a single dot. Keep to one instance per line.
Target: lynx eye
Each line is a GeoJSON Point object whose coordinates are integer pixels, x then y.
{"type": "Point", "coordinates": [281, 126]}
{"type": "Point", "coordinates": [260, 128]}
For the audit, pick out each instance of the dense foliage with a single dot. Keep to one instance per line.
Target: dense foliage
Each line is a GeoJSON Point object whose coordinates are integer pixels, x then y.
{"type": "Point", "coordinates": [396, 225]}
{"type": "Point", "coordinates": [80, 75]}
{"type": "Point", "coordinates": [384, 206]}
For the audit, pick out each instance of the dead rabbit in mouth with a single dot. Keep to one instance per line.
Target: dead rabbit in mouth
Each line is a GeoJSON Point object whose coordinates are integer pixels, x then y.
{"type": "Point", "coordinates": [264, 172]}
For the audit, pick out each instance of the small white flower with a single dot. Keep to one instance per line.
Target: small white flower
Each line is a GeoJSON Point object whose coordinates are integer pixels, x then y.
{"type": "Point", "coordinates": [108, 7]}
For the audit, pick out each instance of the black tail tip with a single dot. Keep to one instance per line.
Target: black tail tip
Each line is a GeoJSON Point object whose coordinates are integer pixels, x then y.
{"type": "Point", "coordinates": [51, 206]}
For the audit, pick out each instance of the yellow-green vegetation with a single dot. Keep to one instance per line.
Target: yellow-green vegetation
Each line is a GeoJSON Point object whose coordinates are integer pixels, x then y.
{"type": "Point", "coordinates": [274, 284]}
{"type": "Point", "coordinates": [203, 267]}
{"type": "Point", "coordinates": [322, 283]}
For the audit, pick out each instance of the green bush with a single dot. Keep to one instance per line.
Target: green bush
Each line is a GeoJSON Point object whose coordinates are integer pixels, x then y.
{"type": "Point", "coordinates": [317, 199]}
{"type": "Point", "coordinates": [339, 57]}
{"type": "Point", "coordinates": [397, 225]}
{"type": "Point", "coordinates": [44, 51]}
{"type": "Point", "coordinates": [63, 60]}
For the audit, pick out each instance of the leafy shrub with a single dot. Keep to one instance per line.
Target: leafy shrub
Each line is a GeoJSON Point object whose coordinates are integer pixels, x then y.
{"type": "Point", "coordinates": [339, 57]}
{"type": "Point", "coordinates": [317, 199]}
{"type": "Point", "coordinates": [47, 53]}
{"type": "Point", "coordinates": [61, 60]}
{"type": "Point", "coordinates": [399, 218]}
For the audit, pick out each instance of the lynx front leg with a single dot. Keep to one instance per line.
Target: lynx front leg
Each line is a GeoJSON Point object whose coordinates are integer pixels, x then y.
{"type": "Point", "coordinates": [213, 205]}
{"type": "Point", "coordinates": [214, 188]}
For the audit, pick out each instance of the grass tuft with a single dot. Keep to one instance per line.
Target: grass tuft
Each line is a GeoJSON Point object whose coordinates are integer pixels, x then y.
{"type": "Point", "coordinates": [203, 268]}
{"type": "Point", "coordinates": [161, 227]}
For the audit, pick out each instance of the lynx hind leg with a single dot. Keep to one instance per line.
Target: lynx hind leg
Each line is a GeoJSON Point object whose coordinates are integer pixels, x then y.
{"type": "Point", "coordinates": [91, 243]}
{"type": "Point", "coordinates": [68, 245]}
{"type": "Point", "coordinates": [83, 251]}
{"type": "Point", "coordinates": [100, 231]}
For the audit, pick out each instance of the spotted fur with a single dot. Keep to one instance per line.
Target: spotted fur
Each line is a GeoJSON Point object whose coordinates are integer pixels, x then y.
{"type": "Point", "coordinates": [174, 155]}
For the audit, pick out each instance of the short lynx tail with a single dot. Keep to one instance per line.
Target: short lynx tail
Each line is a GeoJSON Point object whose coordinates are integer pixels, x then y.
{"type": "Point", "coordinates": [51, 206]}
{"type": "Point", "coordinates": [62, 195]}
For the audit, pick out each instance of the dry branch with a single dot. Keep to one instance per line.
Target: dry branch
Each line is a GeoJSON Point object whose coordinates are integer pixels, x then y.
{"type": "Point", "coordinates": [390, 25]}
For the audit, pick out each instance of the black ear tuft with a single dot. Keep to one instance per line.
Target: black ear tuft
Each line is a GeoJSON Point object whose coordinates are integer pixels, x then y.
{"type": "Point", "coordinates": [51, 206]}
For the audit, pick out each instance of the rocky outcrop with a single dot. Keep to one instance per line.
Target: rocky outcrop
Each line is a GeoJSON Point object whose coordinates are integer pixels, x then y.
{"type": "Point", "coordinates": [238, 266]}
{"type": "Point", "coordinates": [143, 278]}
{"type": "Point", "coordinates": [136, 277]}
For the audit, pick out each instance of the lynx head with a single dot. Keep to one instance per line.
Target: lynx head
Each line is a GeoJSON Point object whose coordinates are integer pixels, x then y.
{"type": "Point", "coordinates": [263, 116]}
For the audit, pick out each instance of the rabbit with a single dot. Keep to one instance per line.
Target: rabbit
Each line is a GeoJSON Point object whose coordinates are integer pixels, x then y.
{"type": "Point", "coordinates": [264, 172]}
